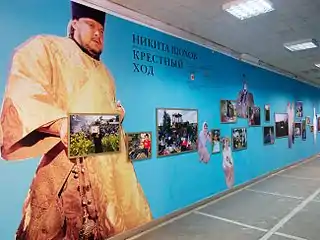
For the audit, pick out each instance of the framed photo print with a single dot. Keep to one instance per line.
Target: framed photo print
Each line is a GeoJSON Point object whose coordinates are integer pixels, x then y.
{"type": "Point", "coordinates": [254, 117]}
{"type": "Point", "coordinates": [228, 112]}
{"type": "Point", "coordinates": [304, 130]}
{"type": "Point", "coordinates": [268, 135]}
{"type": "Point", "coordinates": [299, 109]}
{"type": "Point", "coordinates": [239, 139]}
{"type": "Point", "coordinates": [139, 145]}
{"type": "Point", "coordinates": [177, 131]}
{"type": "Point", "coordinates": [91, 134]}
{"type": "Point", "coordinates": [281, 122]}
{"type": "Point", "coordinates": [216, 141]}
{"type": "Point", "coordinates": [311, 128]}
{"type": "Point", "coordinates": [308, 120]}
{"type": "Point", "coordinates": [267, 113]}
{"type": "Point", "coordinates": [297, 129]}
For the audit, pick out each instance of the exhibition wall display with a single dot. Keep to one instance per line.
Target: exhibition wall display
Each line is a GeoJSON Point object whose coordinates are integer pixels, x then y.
{"type": "Point", "coordinates": [107, 125]}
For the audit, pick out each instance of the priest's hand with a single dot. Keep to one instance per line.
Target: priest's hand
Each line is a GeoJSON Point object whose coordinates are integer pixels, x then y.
{"type": "Point", "coordinates": [121, 109]}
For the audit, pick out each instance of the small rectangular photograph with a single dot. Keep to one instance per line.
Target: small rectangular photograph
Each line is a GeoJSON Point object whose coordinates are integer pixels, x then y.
{"type": "Point", "coordinates": [177, 131]}
{"type": "Point", "coordinates": [268, 135]}
{"type": "Point", "coordinates": [308, 120]}
{"type": "Point", "coordinates": [91, 134]}
{"type": "Point", "coordinates": [239, 139]}
{"type": "Point", "coordinates": [281, 122]}
{"type": "Point", "coordinates": [139, 145]}
{"type": "Point", "coordinates": [304, 130]}
{"type": "Point", "coordinates": [228, 113]}
{"type": "Point", "coordinates": [299, 109]}
{"type": "Point", "coordinates": [216, 144]}
{"type": "Point", "coordinates": [267, 112]}
{"type": "Point", "coordinates": [297, 129]}
{"type": "Point", "coordinates": [254, 116]}
{"type": "Point", "coordinates": [311, 128]}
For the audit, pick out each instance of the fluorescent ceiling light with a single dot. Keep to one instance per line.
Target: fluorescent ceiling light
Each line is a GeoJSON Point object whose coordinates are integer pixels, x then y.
{"type": "Point", "coordinates": [317, 65]}
{"type": "Point", "coordinates": [244, 9]}
{"type": "Point", "coordinates": [301, 45]}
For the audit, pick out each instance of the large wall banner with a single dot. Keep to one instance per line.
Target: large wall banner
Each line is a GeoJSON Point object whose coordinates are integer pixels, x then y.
{"type": "Point", "coordinates": [107, 125]}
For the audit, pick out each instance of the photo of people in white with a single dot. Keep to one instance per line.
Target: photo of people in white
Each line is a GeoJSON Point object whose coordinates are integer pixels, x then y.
{"type": "Point", "coordinates": [215, 133]}
{"type": "Point", "coordinates": [227, 162]}
{"type": "Point", "coordinates": [204, 137]}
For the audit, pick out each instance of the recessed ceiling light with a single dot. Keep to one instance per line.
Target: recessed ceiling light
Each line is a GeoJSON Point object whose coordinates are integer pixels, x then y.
{"type": "Point", "coordinates": [317, 65]}
{"type": "Point", "coordinates": [301, 45]}
{"type": "Point", "coordinates": [244, 9]}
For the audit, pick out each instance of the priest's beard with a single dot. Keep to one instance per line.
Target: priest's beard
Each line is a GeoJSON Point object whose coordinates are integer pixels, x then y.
{"type": "Point", "coordinates": [86, 49]}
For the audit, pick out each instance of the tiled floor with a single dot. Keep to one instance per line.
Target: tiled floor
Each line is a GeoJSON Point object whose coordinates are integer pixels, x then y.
{"type": "Point", "coordinates": [283, 207]}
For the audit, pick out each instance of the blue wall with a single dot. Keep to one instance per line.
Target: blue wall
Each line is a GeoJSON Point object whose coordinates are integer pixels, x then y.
{"type": "Point", "coordinates": [169, 183]}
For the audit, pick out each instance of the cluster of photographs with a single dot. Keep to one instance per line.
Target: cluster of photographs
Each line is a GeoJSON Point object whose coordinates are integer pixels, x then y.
{"type": "Point", "coordinates": [177, 130]}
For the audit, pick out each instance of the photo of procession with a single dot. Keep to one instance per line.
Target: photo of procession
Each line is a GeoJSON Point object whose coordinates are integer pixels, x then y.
{"type": "Point", "coordinates": [239, 139]}
{"type": "Point", "coordinates": [93, 134]}
{"type": "Point", "coordinates": [139, 145]}
{"type": "Point", "coordinates": [177, 131]}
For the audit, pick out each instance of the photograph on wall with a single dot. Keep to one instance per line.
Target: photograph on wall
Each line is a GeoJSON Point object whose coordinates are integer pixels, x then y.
{"type": "Point", "coordinates": [254, 116]}
{"type": "Point", "coordinates": [227, 162]}
{"type": "Point", "coordinates": [304, 130]}
{"type": "Point", "coordinates": [268, 135]}
{"type": "Point", "coordinates": [54, 72]}
{"type": "Point", "coordinates": [204, 139]}
{"type": "Point", "coordinates": [311, 128]}
{"type": "Point", "coordinates": [244, 101]}
{"type": "Point", "coordinates": [318, 123]}
{"type": "Point", "coordinates": [139, 145]}
{"type": "Point", "coordinates": [177, 131]}
{"type": "Point", "coordinates": [281, 122]}
{"type": "Point", "coordinates": [297, 129]}
{"type": "Point", "coordinates": [239, 139]}
{"type": "Point", "coordinates": [228, 113]}
{"type": "Point", "coordinates": [216, 142]}
{"type": "Point", "coordinates": [315, 126]}
{"type": "Point", "coordinates": [267, 113]}
{"type": "Point", "coordinates": [93, 134]}
{"type": "Point", "coordinates": [308, 120]}
{"type": "Point", "coordinates": [299, 109]}
{"type": "Point", "coordinates": [291, 114]}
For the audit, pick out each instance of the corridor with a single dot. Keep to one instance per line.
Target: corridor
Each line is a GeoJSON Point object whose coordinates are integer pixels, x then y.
{"type": "Point", "coordinates": [283, 206]}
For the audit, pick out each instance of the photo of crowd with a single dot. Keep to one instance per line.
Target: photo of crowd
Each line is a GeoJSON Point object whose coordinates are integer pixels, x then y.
{"type": "Point", "coordinates": [93, 134]}
{"type": "Point", "coordinates": [282, 127]}
{"type": "Point", "coordinates": [268, 135]}
{"type": "Point", "coordinates": [177, 131]}
{"type": "Point", "coordinates": [139, 145]}
{"type": "Point", "coordinates": [239, 139]}
{"type": "Point", "coordinates": [228, 112]}
{"type": "Point", "coordinates": [254, 118]}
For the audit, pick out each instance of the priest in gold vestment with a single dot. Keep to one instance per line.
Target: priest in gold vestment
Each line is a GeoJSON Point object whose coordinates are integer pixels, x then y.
{"type": "Point", "coordinates": [87, 198]}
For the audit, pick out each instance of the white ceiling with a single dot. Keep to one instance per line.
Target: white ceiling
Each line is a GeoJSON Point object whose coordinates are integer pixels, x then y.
{"type": "Point", "coordinates": [261, 37]}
